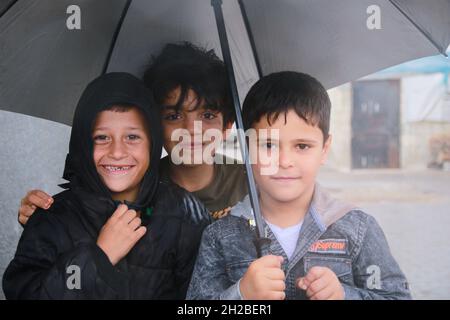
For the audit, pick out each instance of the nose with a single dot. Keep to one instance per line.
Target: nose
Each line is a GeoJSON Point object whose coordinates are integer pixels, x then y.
{"type": "Point", "coordinates": [193, 126]}
{"type": "Point", "coordinates": [190, 124]}
{"type": "Point", "coordinates": [284, 158]}
{"type": "Point", "coordinates": [117, 150]}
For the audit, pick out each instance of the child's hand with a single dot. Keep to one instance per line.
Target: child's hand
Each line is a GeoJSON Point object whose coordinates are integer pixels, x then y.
{"type": "Point", "coordinates": [33, 199]}
{"type": "Point", "coordinates": [120, 233]}
{"type": "Point", "coordinates": [264, 280]}
{"type": "Point", "coordinates": [321, 283]}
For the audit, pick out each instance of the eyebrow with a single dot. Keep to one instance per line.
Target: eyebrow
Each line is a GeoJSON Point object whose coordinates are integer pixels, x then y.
{"type": "Point", "coordinates": [294, 140]}
{"type": "Point", "coordinates": [127, 128]}
{"type": "Point", "coordinates": [305, 140]}
{"type": "Point", "coordinates": [199, 107]}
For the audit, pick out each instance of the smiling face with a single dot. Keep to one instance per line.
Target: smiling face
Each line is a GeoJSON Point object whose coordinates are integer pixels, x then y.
{"type": "Point", "coordinates": [187, 118]}
{"type": "Point", "coordinates": [301, 151]}
{"type": "Point", "coordinates": [121, 151]}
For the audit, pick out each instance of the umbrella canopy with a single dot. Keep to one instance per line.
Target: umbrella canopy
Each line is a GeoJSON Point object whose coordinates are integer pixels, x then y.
{"type": "Point", "coordinates": [44, 66]}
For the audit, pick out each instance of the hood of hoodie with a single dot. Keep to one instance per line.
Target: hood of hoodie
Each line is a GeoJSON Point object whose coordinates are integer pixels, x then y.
{"type": "Point", "coordinates": [110, 89]}
{"type": "Point", "coordinates": [326, 209]}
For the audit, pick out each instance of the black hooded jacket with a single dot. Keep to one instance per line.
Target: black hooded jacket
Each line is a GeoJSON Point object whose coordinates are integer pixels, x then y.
{"type": "Point", "coordinates": [57, 256]}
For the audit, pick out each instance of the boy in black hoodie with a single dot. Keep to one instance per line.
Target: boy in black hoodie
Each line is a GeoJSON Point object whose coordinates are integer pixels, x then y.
{"type": "Point", "coordinates": [117, 232]}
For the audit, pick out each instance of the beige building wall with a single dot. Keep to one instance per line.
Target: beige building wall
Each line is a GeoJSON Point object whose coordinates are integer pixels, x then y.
{"type": "Point", "coordinates": [340, 127]}
{"type": "Point", "coordinates": [414, 136]}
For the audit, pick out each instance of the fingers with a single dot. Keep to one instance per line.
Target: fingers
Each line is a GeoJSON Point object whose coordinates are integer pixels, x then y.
{"type": "Point", "coordinates": [215, 215]}
{"type": "Point", "coordinates": [135, 223]}
{"type": "Point", "coordinates": [42, 194]}
{"type": "Point", "coordinates": [139, 233]}
{"type": "Point", "coordinates": [302, 283]}
{"type": "Point", "coordinates": [276, 295]}
{"type": "Point", "coordinates": [29, 204]}
{"type": "Point", "coordinates": [120, 211]}
{"type": "Point", "coordinates": [46, 197]}
{"type": "Point", "coordinates": [275, 274]}
{"type": "Point", "coordinates": [321, 283]}
{"type": "Point", "coordinates": [37, 198]}
{"type": "Point", "coordinates": [277, 285]}
{"type": "Point", "coordinates": [128, 216]}
{"type": "Point", "coordinates": [324, 294]}
{"type": "Point", "coordinates": [23, 220]}
{"type": "Point", "coordinates": [26, 210]}
{"type": "Point", "coordinates": [221, 213]}
{"type": "Point", "coordinates": [315, 273]}
{"type": "Point", "coordinates": [224, 212]}
{"type": "Point", "coordinates": [271, 261]}
{"type": "Point", "coordinates": [315, 287]}
{"type": "Point", "coordinates": [264, 279]}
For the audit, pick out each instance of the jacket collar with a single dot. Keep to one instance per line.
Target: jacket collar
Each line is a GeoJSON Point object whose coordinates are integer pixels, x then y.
{"type": "Point", "coordinates": [96, 209]}
{"type": "Point", "coordinates": [323, 211]}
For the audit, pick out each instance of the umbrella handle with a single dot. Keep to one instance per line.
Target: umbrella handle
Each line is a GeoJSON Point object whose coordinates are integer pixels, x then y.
{"type": "Point", "coordinates": [262, 246]}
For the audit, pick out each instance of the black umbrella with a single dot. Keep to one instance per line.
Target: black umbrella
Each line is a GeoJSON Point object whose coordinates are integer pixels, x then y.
{"type": "Point", "coordinates": [44, 65]}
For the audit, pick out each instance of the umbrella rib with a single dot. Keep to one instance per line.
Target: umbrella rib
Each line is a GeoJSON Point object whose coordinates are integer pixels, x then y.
{"type": "Point", "coordinates": [8, 7]}
{"type": "Point", "coordinates": [115, 36]}
{"type": "Point", "coordinates": [424, 32]}
{"type": "Point", "coordinates": [250, 37]}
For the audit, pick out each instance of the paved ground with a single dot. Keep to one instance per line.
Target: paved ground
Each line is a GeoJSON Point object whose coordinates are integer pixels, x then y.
{"type": "Point", "coordinates": [413, 208]}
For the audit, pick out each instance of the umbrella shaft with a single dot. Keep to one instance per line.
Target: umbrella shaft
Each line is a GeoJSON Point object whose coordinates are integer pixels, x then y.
{"type": "Point", "coordinates": [260, 243]}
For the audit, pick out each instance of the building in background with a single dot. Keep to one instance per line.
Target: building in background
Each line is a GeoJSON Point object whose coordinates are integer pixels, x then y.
{"type": "Point", "coordinates": [396, 118]}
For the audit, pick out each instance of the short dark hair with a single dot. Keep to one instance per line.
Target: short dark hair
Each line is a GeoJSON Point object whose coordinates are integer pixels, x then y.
{"type": "Point", "coordinates": [281, 92]}
{"type": "Point", "coordinates": [187, 66]}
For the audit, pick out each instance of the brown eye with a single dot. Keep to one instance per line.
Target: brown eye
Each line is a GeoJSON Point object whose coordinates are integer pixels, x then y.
{"type": "Point", "coordinates": [209, 115]}
{"type": "Point", "coordinates": [303, 146]}
{"type": "Point", "coordinates": [101, 138]}
{"type": "Point", "coordinates": [172, 116]}
{"type": "Point", "coordinates": [133, 137]}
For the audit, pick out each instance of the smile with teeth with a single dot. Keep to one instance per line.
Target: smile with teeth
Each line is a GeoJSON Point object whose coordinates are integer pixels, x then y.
{"type": "Point", "coordinates": [117, 169]}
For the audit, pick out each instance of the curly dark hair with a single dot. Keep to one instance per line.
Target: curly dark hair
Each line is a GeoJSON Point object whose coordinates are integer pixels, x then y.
{"type": "Point", "coordinates": [187, 66]}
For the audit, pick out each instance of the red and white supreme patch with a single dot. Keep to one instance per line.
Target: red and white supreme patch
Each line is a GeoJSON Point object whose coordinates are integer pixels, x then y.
{"type": "Point", "coordinates": [338, 246]}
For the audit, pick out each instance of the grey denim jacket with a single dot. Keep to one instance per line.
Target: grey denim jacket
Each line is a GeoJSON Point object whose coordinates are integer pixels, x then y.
{"type": "Point", "coordinates": [334, 234]}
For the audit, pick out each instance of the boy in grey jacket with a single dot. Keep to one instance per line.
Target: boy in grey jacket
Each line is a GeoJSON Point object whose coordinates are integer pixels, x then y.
{"type": "Point", "coordinates": [321, 248]}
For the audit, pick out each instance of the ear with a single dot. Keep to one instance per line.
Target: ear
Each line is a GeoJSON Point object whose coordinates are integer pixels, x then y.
{"type": "Point", "coordinates": [326, 149]}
